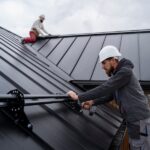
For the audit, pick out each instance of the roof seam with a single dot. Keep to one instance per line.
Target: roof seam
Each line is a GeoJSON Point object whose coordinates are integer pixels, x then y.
{"type": "Point", "coordinates": [13, 83]}
{"type": "Point", "coordinates": [66, 123]}
{"type": "Point", "coordinates": [120, 42]}
{"type": "Point", "coordinates": [66, 52]}
{"type": "Point", "coordinates": [80, 55]}
{"type": "Point", "coordinates": [26, 54]}
{"type": "Point", "coordinates": [97, 59]}
{"type": "Point", "coordinates": [12, 43]}
{"type": "Point", "coordinates": [9, 31]}
{"type": "Point", "coordinates": [138, 41]}
{"type": "Point", "coordinates": [36, 72]}
{"type": "Point", "coordinates": [43, 45]}
{"type": "Point", "coordinates": [54, 47]}
{"type": "Point", "coordinates": [47, 90]}
{"type": "Point", "coordinates": [47, 68]}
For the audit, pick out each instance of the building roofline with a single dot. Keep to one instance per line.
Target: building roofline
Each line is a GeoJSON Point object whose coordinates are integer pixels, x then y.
{"type": "Point", "coordinates": [107, 33]}
{"type": "Point", "coordinates": [95, 33]}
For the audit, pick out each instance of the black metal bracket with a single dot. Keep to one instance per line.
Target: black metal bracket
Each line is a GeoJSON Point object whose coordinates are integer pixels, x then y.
{"type": "Point", "coordinates": [15, 110]}
{"type": "Point", "coordinates": [74, 105]}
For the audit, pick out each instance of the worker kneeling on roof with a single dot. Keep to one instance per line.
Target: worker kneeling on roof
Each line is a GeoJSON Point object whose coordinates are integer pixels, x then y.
{"type": "Point", "coordinates": [36, 30]}
{"type": "Point", "coordinates": [124, 87]}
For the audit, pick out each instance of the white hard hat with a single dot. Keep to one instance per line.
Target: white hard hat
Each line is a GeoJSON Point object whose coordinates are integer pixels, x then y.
{"type": "Point", "coordinates": [107, 52]}
{"type": "Point", "coordinates": [42, 16]}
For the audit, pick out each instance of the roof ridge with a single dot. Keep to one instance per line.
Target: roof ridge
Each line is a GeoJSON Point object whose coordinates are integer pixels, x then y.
{"type": "Point", "coordinates": [93, 34]}
{"type": "Point", "coordinates": [106, 33]}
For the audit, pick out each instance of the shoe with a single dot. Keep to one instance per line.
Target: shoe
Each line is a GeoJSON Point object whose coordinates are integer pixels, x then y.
{"type": "Point", "coordinates": [22, 41]}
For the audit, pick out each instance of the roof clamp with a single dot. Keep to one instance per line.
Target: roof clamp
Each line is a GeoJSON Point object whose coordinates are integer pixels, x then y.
{"type": "Point", "coordinates": [74, 105]}
{"type": "Point", "coordinates": [15, 110]}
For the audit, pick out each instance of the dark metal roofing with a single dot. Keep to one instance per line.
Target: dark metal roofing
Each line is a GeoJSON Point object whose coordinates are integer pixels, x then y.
{"type": "Point", "coordinates": [54, 126]}
{"type": "Point", "coordinates": [81, 52]}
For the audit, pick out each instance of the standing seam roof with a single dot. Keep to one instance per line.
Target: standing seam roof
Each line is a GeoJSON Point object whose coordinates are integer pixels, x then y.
{"type": "Point", "coordinates": [83, 53]}
{"type": "Point", "coordinates": [54, 126]}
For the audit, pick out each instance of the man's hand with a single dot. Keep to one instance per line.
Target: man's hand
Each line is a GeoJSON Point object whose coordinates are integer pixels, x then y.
{"type": "Point", "coordinates": [87, 105]}
{"type": "Point", "coordinates": [73, 95]}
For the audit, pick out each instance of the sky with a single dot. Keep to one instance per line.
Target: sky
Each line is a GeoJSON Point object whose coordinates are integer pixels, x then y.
{"type": "Point", "coordinates": [75, 16]}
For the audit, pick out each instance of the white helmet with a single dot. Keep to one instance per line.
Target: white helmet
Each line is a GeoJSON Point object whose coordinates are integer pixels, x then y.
{"type": "Point", "coordinates": [42, 16]}
{"type": "Point", "coordinates": [107, 52]}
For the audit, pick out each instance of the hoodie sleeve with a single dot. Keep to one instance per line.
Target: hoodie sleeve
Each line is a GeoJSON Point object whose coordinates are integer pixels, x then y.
{"type": "Point", "coordinates": [103, 99]}
{"type": "Point", "coordinates": [120, 79]}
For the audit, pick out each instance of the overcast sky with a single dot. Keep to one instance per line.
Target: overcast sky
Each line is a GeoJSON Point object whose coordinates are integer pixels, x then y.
{"type": "Point", "coordinates": [75, 16]}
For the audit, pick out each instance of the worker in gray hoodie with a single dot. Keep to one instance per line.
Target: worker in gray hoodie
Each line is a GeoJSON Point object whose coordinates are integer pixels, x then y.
{"type": "Point", "coordinates": [124, 87]}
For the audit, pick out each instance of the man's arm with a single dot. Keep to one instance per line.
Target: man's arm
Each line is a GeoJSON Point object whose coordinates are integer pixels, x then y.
{"type": "Point", "coordinates": [120, 79]}
{"type": "Point", "coordinates": [44, 29]}
{"type": "Point", "coordinates": [88, 104]}
{"type": "Point", "coordinates": [39, 31]}
{"type": "Point", "coordinates": [98, 101]}
{"type": "Point", "coordinates": [102, 100]}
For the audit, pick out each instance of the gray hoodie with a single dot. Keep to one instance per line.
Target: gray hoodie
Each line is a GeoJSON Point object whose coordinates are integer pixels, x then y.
{"type": "Point", "coordinates": [124, 87]}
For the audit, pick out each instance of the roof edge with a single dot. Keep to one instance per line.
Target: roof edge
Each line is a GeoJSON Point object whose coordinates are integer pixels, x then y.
{"type": "Point", "coordinates": [10, 32]}
{"type": "Point", "coordinates": [94, 33]}
{"type": "Point", "coordinates": [107, 33]}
